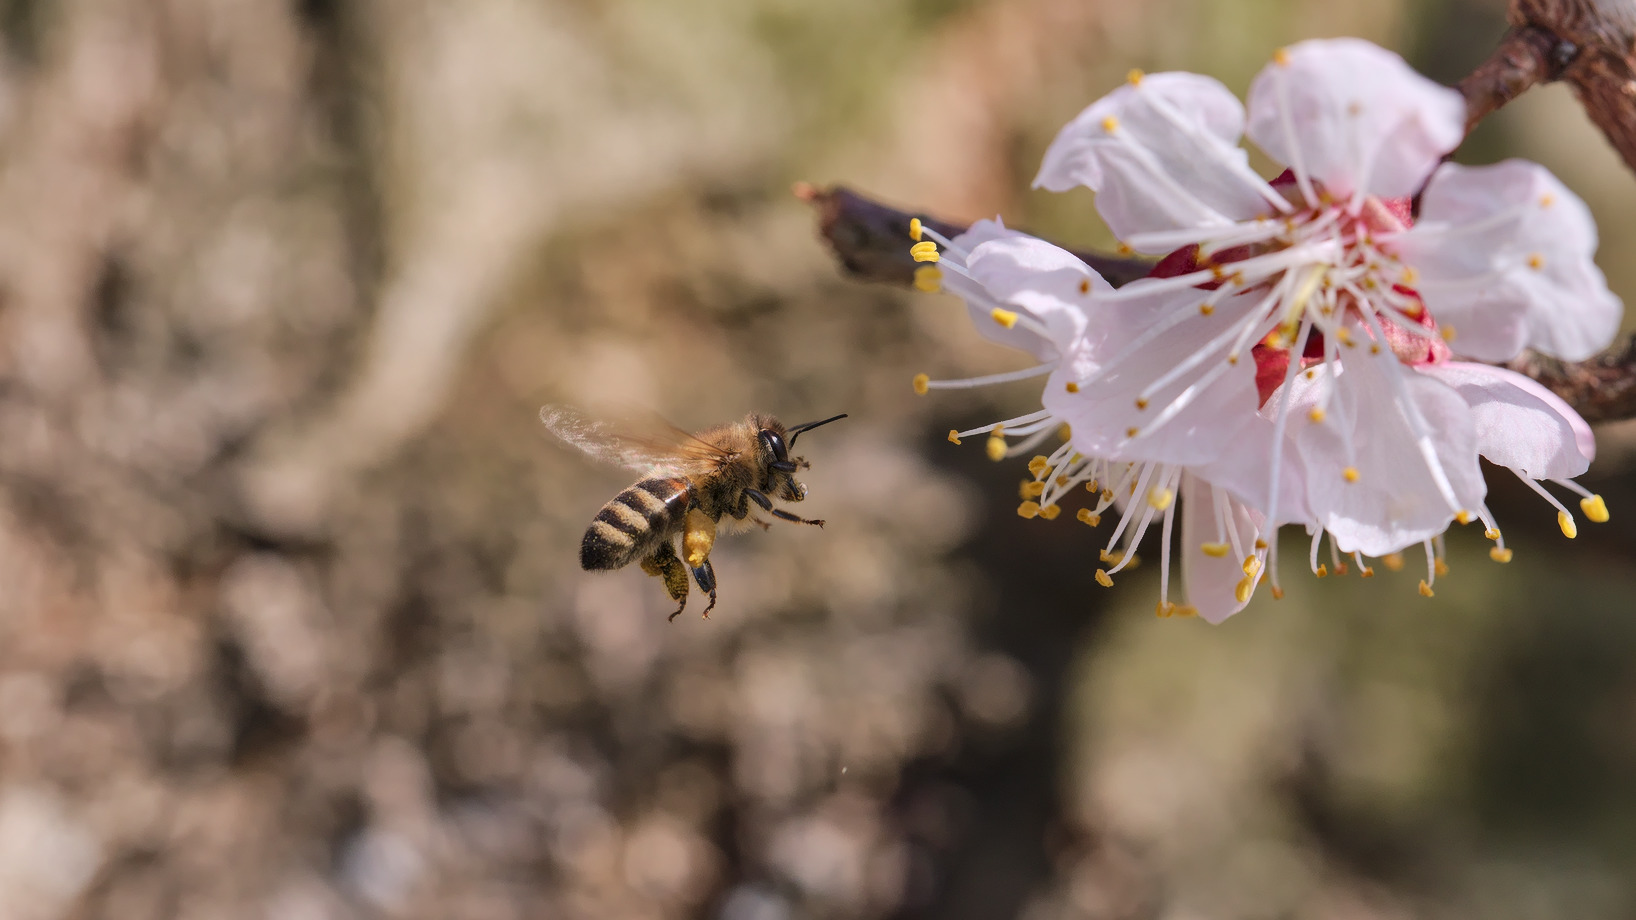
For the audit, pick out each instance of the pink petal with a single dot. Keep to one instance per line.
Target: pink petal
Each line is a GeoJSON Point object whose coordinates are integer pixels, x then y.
{"type": "Point", "coordinates": [1026, 275]}
{"type": "Point", "coordinates": [1172, 160]}
{"type": "Point", "coordinates": [1354, 116]}
{"type": "Point", "coordinates": [1519, 423]}
{"type": "Point", "coordinates": [1211, 582]}
{"type": "Point", "coordinates": [1504, 254]}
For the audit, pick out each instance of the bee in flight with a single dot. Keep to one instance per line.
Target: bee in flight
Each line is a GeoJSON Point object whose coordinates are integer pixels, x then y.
{"type": "Point", "coordinates": [689, 482]}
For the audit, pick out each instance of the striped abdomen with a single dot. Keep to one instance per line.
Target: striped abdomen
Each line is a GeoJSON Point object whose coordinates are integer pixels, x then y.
{"type": "Point", "coordinates": [629, 527]}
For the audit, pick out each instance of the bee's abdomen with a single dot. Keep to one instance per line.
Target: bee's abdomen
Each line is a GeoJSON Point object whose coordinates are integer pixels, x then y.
{"type": "Point", "coordinates": [629, 527]}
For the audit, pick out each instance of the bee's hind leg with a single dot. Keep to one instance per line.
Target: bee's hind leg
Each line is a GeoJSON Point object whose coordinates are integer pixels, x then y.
{"type": "Point", "coordinates": [705, 574]}
{"type": "Point", "coordinates": [664, 565]}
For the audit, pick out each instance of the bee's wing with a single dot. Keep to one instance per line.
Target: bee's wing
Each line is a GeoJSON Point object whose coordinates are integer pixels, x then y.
{"type": "Point", "coordinates": [645, 446]}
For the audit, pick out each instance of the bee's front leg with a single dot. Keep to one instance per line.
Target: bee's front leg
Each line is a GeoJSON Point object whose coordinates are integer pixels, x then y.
{"type": "Point", "coordinates": [664, 565]}
{"type": "Point", "coordinates": [705, 575]}
{"type": "Point", "coordinates": [767, 505]}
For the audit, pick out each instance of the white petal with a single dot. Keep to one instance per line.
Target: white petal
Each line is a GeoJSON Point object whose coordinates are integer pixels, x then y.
{"type": "Point", "coordinates": [1023, 274]}
{"type": "Point", "coordinates": [1504, 254]}
{"type": "Point", "coordinates": [1519, 423]}
{"type": "Point", "coordinates": [1354, 116]}
{"type": "Point", "coordinates": [1171, 161]}
{"type": "Point", "coordinates": [1105, 409]}
{"type": "Point", "coordinates": [1396, 501]}
{"type": "Point", "coordinates": [1211, 582]}
{"type": "Point", "coordinates": [1245, 472]}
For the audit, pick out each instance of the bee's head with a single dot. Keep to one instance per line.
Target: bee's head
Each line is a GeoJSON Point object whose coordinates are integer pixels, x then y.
{"type": "Point", "coordinates": [776, 441]}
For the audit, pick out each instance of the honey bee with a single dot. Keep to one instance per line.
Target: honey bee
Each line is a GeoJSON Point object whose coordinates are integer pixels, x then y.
{"type": "Point", "coordinates": [689, 482]}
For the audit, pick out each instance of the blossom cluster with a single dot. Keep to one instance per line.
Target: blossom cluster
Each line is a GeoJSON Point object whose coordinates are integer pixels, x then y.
{"type": "Point", "coordinates": [1307, 351]}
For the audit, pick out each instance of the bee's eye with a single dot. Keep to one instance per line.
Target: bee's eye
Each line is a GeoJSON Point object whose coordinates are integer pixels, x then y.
{"type": "Point", "coordinates": [774, 443]}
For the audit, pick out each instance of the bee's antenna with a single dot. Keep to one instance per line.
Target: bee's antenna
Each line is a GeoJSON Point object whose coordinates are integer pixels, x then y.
{"type": "Point", "coordinates": [796, 431]}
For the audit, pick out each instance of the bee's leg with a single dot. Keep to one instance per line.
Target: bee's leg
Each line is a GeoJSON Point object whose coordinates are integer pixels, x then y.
{"type": "Point", "coordinates": [742, 511]}
{"type": "Point", "coordinates": [698, 536]}
{"type": "Point", "coordinates": [767, 505]}
{"type": "Point", "coordinates": [663, 564]}
{"type": "Point", "coordinates": [705, 574]}
{"type": "Point", "coordinates": [759, 522]}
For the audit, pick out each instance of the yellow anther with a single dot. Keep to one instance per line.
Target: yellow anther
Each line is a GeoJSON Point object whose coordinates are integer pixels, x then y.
{"type": "Point", "coordinates": [1425, 589]}
{"type": "Point", "coordinates": [954, 436]}
{"type": "Point", "coordinates": [1447, 332]}
{"type": "Point", "coordinates": [1565, 521]}
{"type": "Point", "coordinates": [1134, 77]}
{"type": "Point", "coordinates": [1462, 517]}
{"type": "Point", "coordinates": [1322, 571]}
{"type": "Point", "coordinates": [1344, 336]}
{"type": "Point", "coordinates": [1125, 249]}
{"type": "Point", "coordinates": [1281, 57]}
{"type": "Point", "coordinates": [1491, 534]}
{"type": "Point", "coordinates": [1028, 510]}
{"type": "Point", "coordinates": [1205, 309]}
{"type": "Point", "coordinates": [1062, 482]}
{"type": "Point", "coordinates": [1185, 610]}
{"type": "Point", "coordinates": [924, 251]}
{"type": "Point", "coordinates": [1242, 590]}
{"type": "Point", "coordinates": [1106, 495]}
{"type": "Point", "coordinates": [1110, 124]}
{"type": "Point", "coordinates": [1350, 474]}
{"type": "Point", "coordinates": [1141, 403]}
{"type": "Point", "coordinates": [1039, 465]}
{"type": "Point", "coordinates": [1546, 201]}
{"type": "Point", "coordinates": [1595, 509]}
{"type": "Point", "coordinates": [1085, 286]}
{"type": "Point", "coordinates": [1277, 593]}
{"type": "Point", "coordinates": [1440, 567]}
{"type": "Point", "coordinates": [923, 383]}
{"type": "Point", "coordinates": [914, 229]}
{"type": "Point", "coordinates": [1065, 432]}
{"type": "Point", "coordinates": [1374, 348]}
{"type": "Point", "coordinates": [1103, 555]}
{"type": "Point", "coordinates": [1216, 550]}
{"type": "Point", "coordinates": [1500, 554]}
{"type": "Point", "coordinates": [1131, 432]}
{"type": "Point", "coordinates": [1536, 261]}
{"type": "Point", "coordinates": [995, 448]}
{"type": "Point", "coordinates": [1086, 517]}
{"type": "Point", "coordinates": [1164, 609]}
{"type": "Point", "coordinates": [1072, 387]}
{"type": "Point", "coordinates": [1004, 317]}
{"type": "Point", "coordinates": [1392, 561]}
{"type": "Point", "coordinates": [1275, 341]}
{"type": "Point", "coordinates": [1159, 499]}
{"type": "Point", "coordinates": [1103, 578]}
{"type": "Point", "coordinates": [928, 279]}
{"type": "Point", "coordinates": [1366, 572]}
{"type": "Point", "coordinates": [1341, 568]}
{"type": "Point", "coordinates": [1260, 543]}
{"type": "Point", "coordinates": [1050, 512]}
{"type": "Point", "coordinates": [1031, 489]}
{"type": "Point", "coordinates": [1232, 359]}
{"type": "Point", "coordinates": [1316, 414]}
{"type": "Point", "coordinates": [1251, 565]}
{"type": "Point", "coordinates": [1409, 277]}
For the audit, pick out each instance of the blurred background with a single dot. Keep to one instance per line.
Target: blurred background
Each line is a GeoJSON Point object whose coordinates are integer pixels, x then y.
{"type": "Point", "coordinates": [291, 620]}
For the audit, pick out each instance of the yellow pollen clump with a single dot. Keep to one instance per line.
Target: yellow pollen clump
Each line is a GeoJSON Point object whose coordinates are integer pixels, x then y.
{"type": "Point", "coordinates": [1164, 609]}
{"type": "Point", "coordinates": [1135, 76]}
{"type": "Point", "coordinates": [1065, 432]}
{"type": "Point", "coordinates": [1251, 565]}
{"type": "Point", "coordinates": [954, 436]}
{"type": "Point", "coordinates": [1103, 578]}
{"type": "Point", "coordinates": [1039, 465]}
{"type": "Point", "coordinates": [1344, 336]}
{"type": "Point", "coordinates": [1464, 517]}
{"type": "Point", "coordinates": [1447, 332]}
{"type": "Point", "coordinates": [1086, 517]}
{"type": "Point", "coordinates": [1106, 495]}
{"type": "Point", "coordinates": [995, 448]}
{"type": "Point", "coordinates": [1425, 589]}
{"type": "Point", "coordinates": [1260, 543]}
{"type": "Point", "coordinates": [1565, 521]}
{"type": "Point", "coordinates": [1072, 387]}
{"type": "Point", "coordinates": [922, 384]}
{"type": "Point", "coordinates": [1004, 317]}
{"type": "Point", "coordinates": [1216, 550]}
{"type": "Point", "coordinates": [1031, 489]}
{"type": "Point", "coordinates": [1536, 261]}
{"type": "Point", "coordinates": [924, 251]}
{"type": "Point", "coordinates": [1206, 309]}
{"type": "Point", "coordinates": [1131, 432]}
{"type": "Point", "coordinates": [1374, 348]}
{"type": "Point", "coordinates": [1440, 567]}
{"type": "Point", "coordinates": [1392, 561]}
{"type": "Point", "coordinates": [1277, 593]}
{"type": "Point", "coordinates": [1160, 499]}
{"type": "Point", "coordinates": [1491, 534]}
{"type": "Point", "coordinates": [1241, 591]}
{"type": "Point", "coordinates": [1232, 359]}
{"type": "Point", "coordinates": [1366, 572]}
{"type": "Point", "coordinates": [1028, 510]}
{"type": "Point", "coordinates": [1141, 403]}
{"type": "Point", "coordinates": [1125, 249]}
{"type": "Point", "coordinates": [1050, 512]}
{"type": "Point", "coordinates": [1317, 414]}
{"type": "Point", "coordinates": [1185, 610]}
{"type": "Point", "coordinates": [1062, 481]}
{"type": "Point", "coordinates": [1350, 474]}
{"type": "Point", "coordinates": [1085, 286]}
{"type": "Point", "coordinates": [1281, 57]}
{"type": "Point", "coordinates": [1322, 571]}
{"type": "Point", "coordinates": [1311, 372]}
{"type": "Point", "coordinates": [1500, 554]}
{"type": "Point", "coordinates": [928, 279]}
{"type": "Point", "coordinates": [1595, 509]}
{"type": "Point", "coordinates": [1409, 277]}
{"type": "Point", "coordinates": [1110, 124]}
{"type": "Point", "coordinates": [914, 229]}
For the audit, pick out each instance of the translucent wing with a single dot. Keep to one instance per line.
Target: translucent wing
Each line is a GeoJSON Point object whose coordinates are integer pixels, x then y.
{"type": "Point", "coordinates": [651, 445]}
